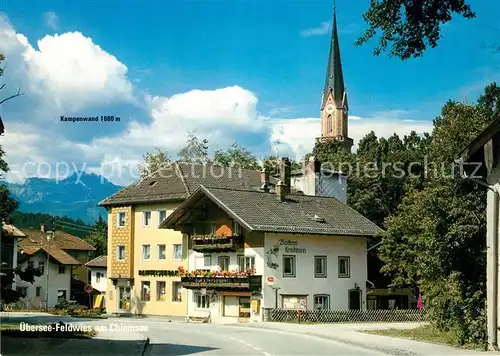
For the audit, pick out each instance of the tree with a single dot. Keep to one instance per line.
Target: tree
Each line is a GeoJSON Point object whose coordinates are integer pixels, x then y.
{"type": "Point", "coordinates": [410, 26]}
{"type": "Point", "coordinates": [195, 151]}
{"type": "Point", "coordinates": [4, 100]}
{"type": "Point", "coordinates": [98, 238]}
{"type": "Point", "coordinates": [7, 276]}
{"type": "Point", "coordinates": [238, 156]}
{"type": "Point", "coordinates": [436, 239]}
{"type": "Point", "coordinates": [153, 162]}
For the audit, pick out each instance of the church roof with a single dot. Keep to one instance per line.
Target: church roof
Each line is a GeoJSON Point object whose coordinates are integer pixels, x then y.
{"type": "Point", "coordinates": [334, 77]}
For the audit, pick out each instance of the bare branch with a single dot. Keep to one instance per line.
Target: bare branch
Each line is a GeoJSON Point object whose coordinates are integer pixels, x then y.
{"type": "Point", "coordinates": [3, 86]}
{"type": "Point", "coordinates": [12, 96]}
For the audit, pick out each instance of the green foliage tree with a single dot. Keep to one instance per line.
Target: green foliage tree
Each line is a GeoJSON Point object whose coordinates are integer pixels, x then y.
{"type": "Point", "coordinates": [196, 149]}
{"type": "Point", "coordinates": [410, 27]}
{"type": "Point", "coordinates": [98, 238]}
{"type": "Point", "coordinates": [436, 240]}
{"type": "Point", "coordinates": [154, 162]}
{"type": "Point", "coordinates": [7, 275]}
{"type": "Point", "coordinates": [238, 156]}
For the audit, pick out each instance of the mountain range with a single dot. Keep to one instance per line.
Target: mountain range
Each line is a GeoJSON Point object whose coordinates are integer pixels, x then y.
{"type": "Point", "coordinates": [75, 196]}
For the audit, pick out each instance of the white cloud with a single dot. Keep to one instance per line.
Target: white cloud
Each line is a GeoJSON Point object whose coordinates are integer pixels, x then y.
{"type": "Point", "coordinates": [322, 29]}
{"type": "Point", "coordinates": [51, 20]}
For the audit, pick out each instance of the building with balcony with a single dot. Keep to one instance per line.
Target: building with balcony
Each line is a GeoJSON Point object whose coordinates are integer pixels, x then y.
{"type": "Point", "coordinates": [250, 249]}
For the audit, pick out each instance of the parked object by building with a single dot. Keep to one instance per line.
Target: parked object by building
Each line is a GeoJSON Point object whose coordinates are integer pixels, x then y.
{"type": "Point", "coordinates": [482, 165]}
{"type": "Point", "coordinates": [59, 256]}
{"type": "Point", "coordinates": [251, 249]}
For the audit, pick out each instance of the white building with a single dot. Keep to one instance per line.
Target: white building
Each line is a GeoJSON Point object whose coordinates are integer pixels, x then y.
{"type": "Point", "coordinates": [98, 275]}
{"type": "Point", "coordinates": [251, 250]}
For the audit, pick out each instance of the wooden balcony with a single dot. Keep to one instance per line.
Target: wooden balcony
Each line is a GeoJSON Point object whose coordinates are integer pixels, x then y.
{"type": "Point", "coordinates": [249, 283]}
{"type": "Point", "coordinates": [212, 243]}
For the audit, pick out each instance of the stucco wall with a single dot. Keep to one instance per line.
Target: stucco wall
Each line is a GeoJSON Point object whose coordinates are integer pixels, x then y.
{"type": "Point", "coordinates": [102, 284]}
{"type": "Point", "coordinates": [304, 282]}
{"type": "Point", "coordinates": [57, 281]}
{"type": "Point", "coordinates": [325, 185]}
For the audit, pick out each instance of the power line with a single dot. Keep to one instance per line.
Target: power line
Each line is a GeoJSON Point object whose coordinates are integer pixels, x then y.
{"type": "Point", "coordinates": [73, 224]}
{"type": "Point", "coordinates": [74, 228]}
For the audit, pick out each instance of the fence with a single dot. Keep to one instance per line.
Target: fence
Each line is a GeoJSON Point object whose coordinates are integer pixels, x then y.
{"type": "Point", "coordinates": [344, 316]}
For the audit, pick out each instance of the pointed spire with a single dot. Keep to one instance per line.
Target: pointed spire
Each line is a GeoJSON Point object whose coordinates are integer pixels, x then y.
{"type": "Point", "coordinates": [334, 77]}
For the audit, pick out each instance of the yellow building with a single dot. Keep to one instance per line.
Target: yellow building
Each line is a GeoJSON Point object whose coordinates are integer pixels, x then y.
{"type": "Point", "coordinates": [143, 260]}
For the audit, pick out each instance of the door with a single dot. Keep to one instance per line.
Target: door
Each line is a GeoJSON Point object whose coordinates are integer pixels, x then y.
{"type": "Point", "coordinates": [244, 307]}
{"type": "Point", "coordinates": [124, 298]}
{"type": "Point", "coordinates": [230, 305]}
{"type": "Point", "coordinates": [355, 299]}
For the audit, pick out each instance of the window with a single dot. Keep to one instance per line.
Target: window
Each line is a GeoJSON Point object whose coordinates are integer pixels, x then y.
{"type": "Point", "coordinates": [202, 301]}
{"type": "Point", "coordinates": [146, 219]}
{"type": "Point", "coordinates": [62, 268]}
{"type": "Point", "coordinates": [98, 277]}
{"type": "Point", "coordinates": [207, 261]}
{"type": "Point", "coordinates": [177, 252]}
{"type": "Point", "coordinates": [120, 219]}
{"type": "Point", "coordinates": [161, 291]}
{"type": "Point", "coordinates": [162, 215]}
{"type": "Point", "coordinates": [319, 266]}
{"type": "Point", "coordinates": [38, 291]}
{"type": "Point", "coordinates": [176, 292]}
{"type": "Point", "coordinates": [61, 295]}
{"type": "Point", "coordinates": [41, 267]}
{"type": "Point", "coordinates": [322, 302]}
{"type": "Point", "coordinates": [236, 228]}
{"type": "Point", "coordinates": [31, 264]}
{"type": "Point", "coordinates": [120, 252]}
{"type": "Point", "coordinates": [288, 266]}
{"type": "Point", "coordinates": [344, 267]}
{"type": "Point", "coordinates": [145, 291]}
{"type": "Point", "coordinates": [245, 263]}
{"type": "Point", "coordinates": [146, 252]}
{"type": "Point", "coordinates": [162, 252]}
{"type": "Point", "coordinates": [213, 229]}
{"type": "Point", "coordinates": [23, 291]}
{"type": "Point", "coordinates": [224, 263]}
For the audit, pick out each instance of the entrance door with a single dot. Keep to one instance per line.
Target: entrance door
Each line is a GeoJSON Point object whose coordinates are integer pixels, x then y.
{"type": "Point", "coordinates": [124, 298]}
{"type": "Point", "coordinates": [244, 308]}
{"type": "Point", "coordinates": [355, 299]}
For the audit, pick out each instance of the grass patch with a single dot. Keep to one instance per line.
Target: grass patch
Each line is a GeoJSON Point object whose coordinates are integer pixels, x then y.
{"type": "Point", "coordinates": [425, 333]}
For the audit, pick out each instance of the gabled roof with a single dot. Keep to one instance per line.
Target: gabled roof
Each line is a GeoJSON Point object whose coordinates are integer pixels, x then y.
{"type": "Point", "coordinates": [54, 252]}
{"type": "Point", "coordinates": [261, 211]}
{"type": "Point", "coordinates": [179, 179]}
{"type": "Point", "coordinates": [62, 240]}
{"type": "Point", "coordinates": [101, 261]}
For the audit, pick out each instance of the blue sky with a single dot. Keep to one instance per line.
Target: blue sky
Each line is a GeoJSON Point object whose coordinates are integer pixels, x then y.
{"type": "Point", "coordinates": [246, 71]}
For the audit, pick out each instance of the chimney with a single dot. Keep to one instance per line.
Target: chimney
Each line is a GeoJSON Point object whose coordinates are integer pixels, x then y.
{"type": "Point", "coordinates": [264, 180]}
{"type": "Point", "coordinates": [285, 174]}
{"type": "Point", "coordinates": [43, 228]}
{"type": "Point", "coordinates": [312, 165]}
{"type": "Point", "coordinates": [281, 190]}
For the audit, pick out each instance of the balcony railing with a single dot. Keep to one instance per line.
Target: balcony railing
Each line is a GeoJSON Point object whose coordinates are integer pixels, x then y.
{"type": "Point", "coordinates": [248, 283]}
{"type": "Point", "coordinates": [213, 243]}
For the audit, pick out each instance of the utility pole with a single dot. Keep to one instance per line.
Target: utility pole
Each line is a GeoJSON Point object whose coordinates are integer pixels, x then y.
{"type": "Point", "coordinates": [48, 261]}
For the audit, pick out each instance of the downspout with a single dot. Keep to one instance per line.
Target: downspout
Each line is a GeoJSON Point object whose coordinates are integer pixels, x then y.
{"type": "Point", "coordinates": [494, 262]}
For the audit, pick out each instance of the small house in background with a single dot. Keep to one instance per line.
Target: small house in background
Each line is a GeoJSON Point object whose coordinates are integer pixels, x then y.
{"type": "Point", "coordinates": [9, 236]}
{"type": "Point", "coordinates": [98, 276]}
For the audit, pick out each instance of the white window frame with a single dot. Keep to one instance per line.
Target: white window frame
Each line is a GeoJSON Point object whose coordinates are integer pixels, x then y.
{"type": "Point", "coordinates": [236, 228]}
{"type": "Point", "coordinates": [248, 262]}
{"type": "Point", "coordinates": [118, 253]}
{"type": "Point", "coordinates": [158, 254]}
{"type": "Point", "coordinates": [176, 295]}
{"type": "Point", "coordinates": [201, 301]}
{"type": "Point", "coordinates": [205, 261]}
{"type": "Point", "coordinates": [118, 214]}
{"type": "Point", "coordinates": [143, 284]}
{"type": "Point", "coordinates": [348, 266]}
{"type": "Point", "coordinates": [174, 250]}
{"type": "Point", "coordinates": [213, 228]}
{"type": "Point", "coordinates": [320, 274]}
{"type": "Point", "coordinates": [224, 258]}
{"type": "Point", "coordinates": [324, 297]}
{"type": "Point", "coordinates": [144, 218]}
{"type": "Point", "coordinates": [294, 266]}
{"type": "Point", "coordinates": [159, 216]}
{"type": "Point", "coordinates": [142, 253]}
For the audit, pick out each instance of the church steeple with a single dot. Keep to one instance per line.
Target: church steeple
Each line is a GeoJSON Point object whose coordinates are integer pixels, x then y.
{"type": "Point", "coordinates": [334, 78]}
{"type": "Point", "coordinates": [334, 106]}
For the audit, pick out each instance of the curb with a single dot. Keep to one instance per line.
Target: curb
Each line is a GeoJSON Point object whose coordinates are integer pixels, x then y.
{"type": "Point", "coordinates": [145, 345]}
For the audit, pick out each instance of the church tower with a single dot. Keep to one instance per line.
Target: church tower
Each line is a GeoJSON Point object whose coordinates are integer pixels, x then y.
{"type": "Point", "coordinates": [334, 107]}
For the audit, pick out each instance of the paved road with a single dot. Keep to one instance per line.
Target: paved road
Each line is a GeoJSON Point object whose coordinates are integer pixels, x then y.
{"type": "Point", "coordinates": [209, 339]}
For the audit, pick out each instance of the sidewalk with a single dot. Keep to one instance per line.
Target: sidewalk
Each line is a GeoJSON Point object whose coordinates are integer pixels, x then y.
{"type": "Point", "coordinates": [351, 334]}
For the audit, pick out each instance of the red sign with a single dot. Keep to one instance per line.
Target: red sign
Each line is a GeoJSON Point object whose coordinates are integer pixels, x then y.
{"type": "Point", "coordinates": [270, 279]}
{"type": "Point", "coordinates": [88, 289]}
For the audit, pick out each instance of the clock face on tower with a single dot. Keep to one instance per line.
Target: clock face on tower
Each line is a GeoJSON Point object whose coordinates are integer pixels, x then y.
{"type": "Point", "coordinates": [329, 108]}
